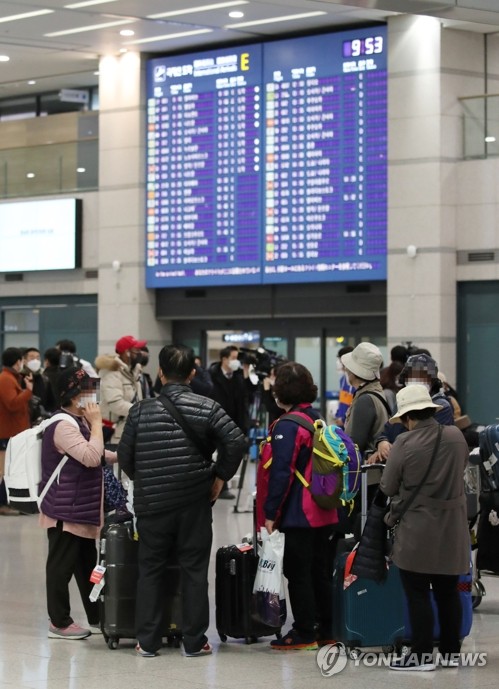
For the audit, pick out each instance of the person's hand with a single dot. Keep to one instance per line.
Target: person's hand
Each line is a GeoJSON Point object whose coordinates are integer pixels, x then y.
{"type": "Point", "coordinates": [216, 489]}
{"type": "Point", "coordinates": [92, 413]}
{"type": "Point", "coordinates": [28, 381]}
{"type": "Point", "coordinates": [373, 458]}
{"type": "Point", "coordinates": [269, 525]}
{"type": "Point", "coordinates": [383, 450]}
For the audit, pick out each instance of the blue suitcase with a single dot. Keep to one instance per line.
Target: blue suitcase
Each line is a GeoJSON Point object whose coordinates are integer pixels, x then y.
{"type": "Point", "coordinates": [368, 614]}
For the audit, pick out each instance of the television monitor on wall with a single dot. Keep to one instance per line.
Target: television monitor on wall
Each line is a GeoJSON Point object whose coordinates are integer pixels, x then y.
{"type": "Point", "coordinates": [267, 163]}
{"type": "Point", "coordinates": [40, 235]}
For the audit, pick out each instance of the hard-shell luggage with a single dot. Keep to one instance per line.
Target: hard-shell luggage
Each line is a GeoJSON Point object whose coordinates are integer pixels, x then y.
{"type": "Point", "coordinates": [235, 571]}
{"type": "Point", "coordinates": [119, 555]}
{"type": "Point", "coordinates": [367, 613]}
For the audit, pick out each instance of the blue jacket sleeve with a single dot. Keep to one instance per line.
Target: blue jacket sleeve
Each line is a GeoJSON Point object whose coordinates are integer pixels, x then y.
{"type": "Point", "coordinates": [284, 451]}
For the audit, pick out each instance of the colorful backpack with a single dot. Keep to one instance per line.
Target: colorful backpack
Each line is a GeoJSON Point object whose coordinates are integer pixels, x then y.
{"type": "Point", "coordinates": [335, 475]}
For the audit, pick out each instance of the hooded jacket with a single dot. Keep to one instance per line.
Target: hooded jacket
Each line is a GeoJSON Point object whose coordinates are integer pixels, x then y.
{"type": "Point", "coordinates": [166, 466]}
{"type": "Point", "coordinates": [119, 389]}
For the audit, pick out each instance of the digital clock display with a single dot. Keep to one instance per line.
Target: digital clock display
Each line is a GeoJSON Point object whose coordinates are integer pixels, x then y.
{"type": "Point", "coordinates": [359, 47]}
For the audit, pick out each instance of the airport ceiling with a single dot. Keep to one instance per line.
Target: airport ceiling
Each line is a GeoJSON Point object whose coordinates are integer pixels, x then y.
{"type": "Point", "coordinates": [46, 45]}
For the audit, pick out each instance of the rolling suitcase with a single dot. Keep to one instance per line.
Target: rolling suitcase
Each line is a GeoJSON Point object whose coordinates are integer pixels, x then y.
{"type": "Point", "coordinates": [235, 570]}
{"type": "Point", "coordinates": [367, 613]}
{"type": "Point", "coordinates": [119, 555]}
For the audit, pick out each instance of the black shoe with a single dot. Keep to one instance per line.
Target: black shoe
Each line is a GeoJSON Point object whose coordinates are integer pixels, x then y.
{"type": "Point", "coordinates": [226, 495]}
{"type": "Point", "coordinates": [410, 663]}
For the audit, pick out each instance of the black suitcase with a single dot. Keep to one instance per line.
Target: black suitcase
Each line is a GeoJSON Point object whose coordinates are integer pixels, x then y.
{"type": "Point", "coordinates": [235, 570]}
{"type": "Point", "coordinates": [119, 554]}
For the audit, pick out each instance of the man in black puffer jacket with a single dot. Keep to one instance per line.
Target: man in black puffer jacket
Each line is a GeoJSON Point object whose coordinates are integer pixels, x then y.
{"type": "Point", "coordinates": [174, 486]}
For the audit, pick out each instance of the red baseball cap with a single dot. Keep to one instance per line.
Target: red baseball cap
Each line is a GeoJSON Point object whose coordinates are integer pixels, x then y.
{"type": "Point", "coordinates": [128, 342]}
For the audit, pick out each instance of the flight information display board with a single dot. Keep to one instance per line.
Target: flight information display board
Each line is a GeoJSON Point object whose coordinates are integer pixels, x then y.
{"type": "Point", "coordinates": [268, 163]}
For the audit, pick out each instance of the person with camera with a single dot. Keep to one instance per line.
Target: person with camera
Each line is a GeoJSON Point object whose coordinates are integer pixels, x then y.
{"type": "Point", "coordinates": [15, 396]}
{"type": "Point", "coordinates": [70, 358]}
{"type": "Point", "coordinates": [232, 388]}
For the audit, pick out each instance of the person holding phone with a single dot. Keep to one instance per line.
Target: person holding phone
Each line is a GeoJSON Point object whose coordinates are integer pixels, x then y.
{"type": "Point", "coordinates": [72, 508]}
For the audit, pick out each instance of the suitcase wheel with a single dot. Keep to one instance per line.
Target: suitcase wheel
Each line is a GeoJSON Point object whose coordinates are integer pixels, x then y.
{"type": "Point", "coordinates": [223, 637]}
{"type": "Point", "coordinates": [251, 640]}
{"type": "Point", "coordinates": [354, 653]}
{"type": "Point", "coordinates": [113, 643]}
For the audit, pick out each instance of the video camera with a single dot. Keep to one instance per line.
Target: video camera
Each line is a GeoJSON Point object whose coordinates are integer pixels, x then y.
{"type": "Point", "coordinates": [263, 360]}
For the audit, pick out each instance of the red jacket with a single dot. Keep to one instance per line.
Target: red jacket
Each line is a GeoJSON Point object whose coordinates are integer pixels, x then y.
{"type": "Point", "coordinates": [14, 404]}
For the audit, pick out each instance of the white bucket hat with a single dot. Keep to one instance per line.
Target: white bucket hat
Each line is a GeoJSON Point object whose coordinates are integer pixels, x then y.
{"type": "Point", "coordinates": [412, 398]}
{"type": "Point", "coordinates": [364, 361]}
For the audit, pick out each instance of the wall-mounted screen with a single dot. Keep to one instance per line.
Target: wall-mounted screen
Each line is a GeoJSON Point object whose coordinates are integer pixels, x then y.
{"type": "Point", "coordinates": [267, 163]}
{"type": "Point", "coordinates": [40, 235]}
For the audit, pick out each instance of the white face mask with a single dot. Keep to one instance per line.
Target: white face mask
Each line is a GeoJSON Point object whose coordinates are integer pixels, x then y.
{"type": "Point", "coordinates": [85, 399]}
{"type": "Point", "coordinates": [234, 364]}
{"type": "Point", "coordinates": [417, 382]}
{"type": "Point", "coordinates": [34, 365]}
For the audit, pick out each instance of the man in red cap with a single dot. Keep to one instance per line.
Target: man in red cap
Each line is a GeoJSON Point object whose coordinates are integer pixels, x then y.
{"type": "Point", "coordinates": [120, 386]}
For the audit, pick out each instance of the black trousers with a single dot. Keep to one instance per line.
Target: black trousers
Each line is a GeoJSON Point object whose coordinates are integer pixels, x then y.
{"type": "Point", "coordinates": [446, 594]}
{"type": "Point", "coordinates": [308, 567]}
{"type": "Point", "coordinates": [188, 533]}
{"type": "Point", "coordinates": [69, 556]}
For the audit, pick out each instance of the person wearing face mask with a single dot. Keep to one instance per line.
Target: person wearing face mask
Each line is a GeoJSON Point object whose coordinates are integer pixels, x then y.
{"type": "Point", "coordinates": [44, 401]}
{"type": "Point", "coordinates": [120, 382]}
{"type": "Point", "coordinates": [15, 396]}
{"type": "Point", "coordinates": [419, 369]}
{"type": "Point", "coordinates": [72, 508]}
{"type": "Point", "coordinates": [232, 389]}
{"type": "Point", "coordinates": [431, 542]}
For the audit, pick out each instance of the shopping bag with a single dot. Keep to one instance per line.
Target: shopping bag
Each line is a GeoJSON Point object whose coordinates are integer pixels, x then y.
{"type": "Point", "coordinates": [269, 599]}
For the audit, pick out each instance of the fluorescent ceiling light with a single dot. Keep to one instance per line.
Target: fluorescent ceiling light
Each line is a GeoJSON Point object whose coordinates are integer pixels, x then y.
{"type": "Point", "coordinates": [169, 37]}
{"type": "Point", "coordinates": [273, 20]}
{"type": "Point", "coordinates": [4, 58]}
{"type": "Point", "coordinates": [201, 8]}
{"type": "Point", "coordinates": [87, 3]}
{"type": "Point", "coordinates": [24, 15]}
{"type": "Point", "coordinates": [93, 27]}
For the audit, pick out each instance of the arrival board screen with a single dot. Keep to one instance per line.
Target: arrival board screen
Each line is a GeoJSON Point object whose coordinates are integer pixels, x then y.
{"type": "Point", "coordinates": [267, 163]}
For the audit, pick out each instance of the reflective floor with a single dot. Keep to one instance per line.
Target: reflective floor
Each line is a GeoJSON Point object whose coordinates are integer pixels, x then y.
{"type": "Point", "coordinates": [29, 659]}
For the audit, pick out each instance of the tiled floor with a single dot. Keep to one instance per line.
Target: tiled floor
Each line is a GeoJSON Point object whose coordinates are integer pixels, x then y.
{"type": "Point", "coordinates": [28, 659]}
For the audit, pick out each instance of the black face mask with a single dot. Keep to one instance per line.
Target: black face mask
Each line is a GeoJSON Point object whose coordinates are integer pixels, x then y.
{"type": "Point", "coordinates": [139, 358]}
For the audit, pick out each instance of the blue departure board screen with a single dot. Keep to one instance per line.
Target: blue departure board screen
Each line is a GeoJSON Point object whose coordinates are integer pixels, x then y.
{"type": "Point", "coordinates": [267, 163]}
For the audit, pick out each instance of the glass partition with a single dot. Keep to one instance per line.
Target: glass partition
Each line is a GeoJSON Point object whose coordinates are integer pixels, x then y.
{"type": "Point", "coordinates": [481, 126]}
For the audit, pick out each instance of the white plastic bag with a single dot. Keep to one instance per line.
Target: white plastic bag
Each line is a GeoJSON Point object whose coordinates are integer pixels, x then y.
{"type": "Point", "coordinates": [269, 601]}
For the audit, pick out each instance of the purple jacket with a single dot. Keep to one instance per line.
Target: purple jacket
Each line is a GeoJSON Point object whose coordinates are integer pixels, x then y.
{"type": "Point", "coordinates": [77, 496]}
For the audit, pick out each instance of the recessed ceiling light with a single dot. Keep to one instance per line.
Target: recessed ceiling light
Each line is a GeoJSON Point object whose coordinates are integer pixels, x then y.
{"type": "Point", "coordinates": [236, 14]}
{"type": "Point", "coordinates": [31, 82]}
{"type": "Point", "coordinates": [127, 32]}
{"type": "Point", "coordinates": [81, 169]}
{"type": "Point", "coordinates": [96, 74]}
{"type": "Point", "coordinates": [30, 175]}
{"type": "Point", "coordinates": [4, 58]}
{"type": "Point", "coordinates": [490, 139]}
{"type": "Point", "coordinates": [123, 50]}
